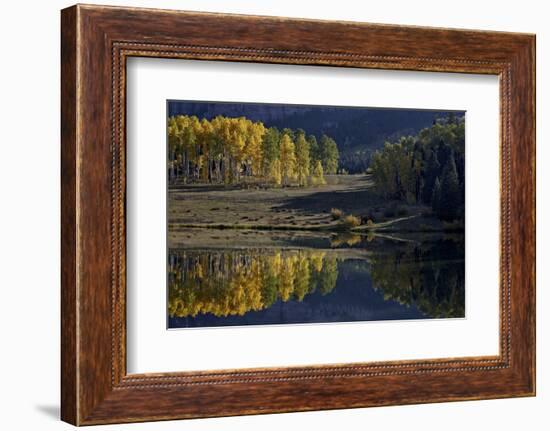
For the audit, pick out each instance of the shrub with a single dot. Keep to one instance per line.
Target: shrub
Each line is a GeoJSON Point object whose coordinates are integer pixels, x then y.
{"type": "Point", "coordinates": [350, 221]}
{"type": "Point", "coordinates": [336, 213]}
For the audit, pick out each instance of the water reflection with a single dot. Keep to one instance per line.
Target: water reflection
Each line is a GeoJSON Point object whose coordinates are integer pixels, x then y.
{"type": "Point", "coordinates": [431, 277]}
{"type": "Point", "coordinates": [385, 280]}
{"type": "Point", "coordinates": [231, 282]}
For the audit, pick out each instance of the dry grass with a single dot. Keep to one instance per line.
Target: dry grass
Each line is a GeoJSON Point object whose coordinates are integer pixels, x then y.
{"type": "Point", "coordinates": [336, 214]}
{"type": "Point", "coordinates": [350, 221]}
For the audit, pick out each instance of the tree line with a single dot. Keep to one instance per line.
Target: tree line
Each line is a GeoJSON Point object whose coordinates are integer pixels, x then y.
{"type": "Point", "coordinates": [426, 168]}
{"type": "Point", "coordinates": [227, 150]}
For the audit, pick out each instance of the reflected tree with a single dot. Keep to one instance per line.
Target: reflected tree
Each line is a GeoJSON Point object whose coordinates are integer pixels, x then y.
{"type": "Point", "coordinates": [429, 276]}
{"type": "Point", "coordinates": [231, 282]}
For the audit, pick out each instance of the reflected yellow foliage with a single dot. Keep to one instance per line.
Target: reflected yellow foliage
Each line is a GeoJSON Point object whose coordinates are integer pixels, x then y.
{"type": "Point", "coordinates": [346, 238]}
{"type": "Point", "coordinates": [226, 283]}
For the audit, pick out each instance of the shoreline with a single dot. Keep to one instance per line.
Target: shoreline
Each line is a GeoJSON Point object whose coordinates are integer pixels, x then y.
{"type": "Point", "coordinates": [179, 227]}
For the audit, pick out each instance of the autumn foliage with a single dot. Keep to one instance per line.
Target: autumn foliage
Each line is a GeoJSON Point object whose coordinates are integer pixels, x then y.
{"type": "Point", "coordinates": [228, 150]}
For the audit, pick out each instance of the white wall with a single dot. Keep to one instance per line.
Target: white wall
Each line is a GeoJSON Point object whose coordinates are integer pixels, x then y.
{"type": "Point", "coordinates": [29, 226]}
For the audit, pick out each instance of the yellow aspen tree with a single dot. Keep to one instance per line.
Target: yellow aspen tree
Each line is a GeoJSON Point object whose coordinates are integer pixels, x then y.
{"type": "Point", "coordinates": [224, 148]}
{"type": "Point", "coordinates": [288, 160]}
{"type": "Point", "coordinates": [192, 149]}
{"type": "Point", "coordinates": [318, 176]}
{"type": "Point", "coordinates": [236, 147]}
{"type": "Point", "coordinates": [221, 137]}
{"type": "Point", "coordinates": [253, 148]}
{"type": "Point", "coordinates": [173, 147]}
{"type": "Point", "coordinates": [205, 143]}
{"type": "Point", "coordinates": [274, 173]}
{"type": "Point", "coordinates": [186, 138]}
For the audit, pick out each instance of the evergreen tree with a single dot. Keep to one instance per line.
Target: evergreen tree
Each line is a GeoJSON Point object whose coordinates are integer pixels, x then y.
{"type": "Point", "coordinates": [270, 149]}
{"type": "Point", "coordinates": [291, 134]}
{"type": "Point", "coordinates": [329, 154]}
{"type": "Point", "coordinates": [314, 153]}
{"type": "Point", "coordinates": [450, 200]}
{"type": "Point", "coordinates": [436, 196]}
{"type": "Point", "coordinates": [431, 172]}
{"type": "Point", "coordinates": [407, 170]}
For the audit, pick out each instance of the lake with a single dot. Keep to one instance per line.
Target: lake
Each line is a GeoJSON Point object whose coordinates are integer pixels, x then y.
{"type": "Point", "coordinates": [292, 278]}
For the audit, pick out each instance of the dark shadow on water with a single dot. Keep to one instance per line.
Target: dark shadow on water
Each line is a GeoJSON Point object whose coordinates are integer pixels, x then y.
{"type": "Point", "coordinates": [52, 411]}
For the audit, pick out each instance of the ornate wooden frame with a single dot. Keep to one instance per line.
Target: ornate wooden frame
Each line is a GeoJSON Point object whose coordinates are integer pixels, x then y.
{"type": "Point", "coordinates": [95, 43]}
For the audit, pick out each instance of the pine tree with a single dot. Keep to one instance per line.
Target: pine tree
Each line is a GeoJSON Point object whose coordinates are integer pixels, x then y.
{"type": "Point", "coordinates": [329, 154]}
{"type": "Point", "coordinates": [449, 204]}
{"type": "Point", "coordinates": [314, 153]}
{"type": "Point", "coordinates": [431, 172]}
{"type": "Point", "coordinates": [436, 197]}
{"type": "Point", "coordinates": [291, 134]}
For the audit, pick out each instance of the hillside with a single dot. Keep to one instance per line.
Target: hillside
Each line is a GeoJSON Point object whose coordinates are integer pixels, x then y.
{"type": "Point", "coordinates": [353, 128]}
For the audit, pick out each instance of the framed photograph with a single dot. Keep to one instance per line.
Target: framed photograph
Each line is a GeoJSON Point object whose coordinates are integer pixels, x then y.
{"type": "Point", "coordinates": [264, 214]}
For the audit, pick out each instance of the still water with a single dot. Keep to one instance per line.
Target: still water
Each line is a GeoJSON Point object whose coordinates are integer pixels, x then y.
{"type": "Point", "coordinates": [348, 279]}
